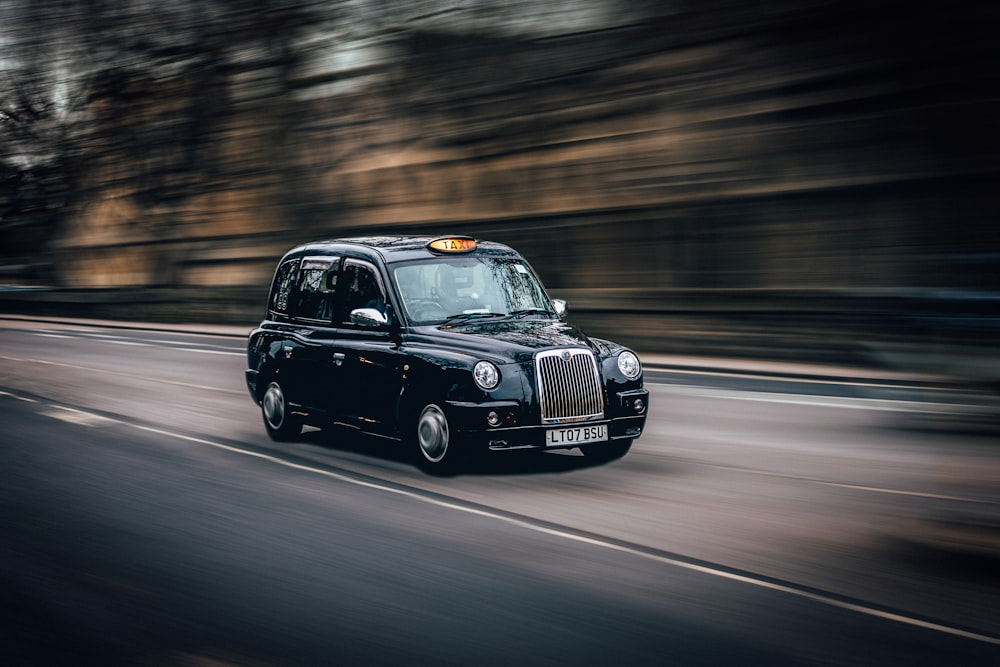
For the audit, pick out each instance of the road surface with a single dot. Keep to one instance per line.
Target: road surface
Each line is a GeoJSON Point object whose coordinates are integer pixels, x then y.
{"type": "Point", "coordinates": [763, 518]}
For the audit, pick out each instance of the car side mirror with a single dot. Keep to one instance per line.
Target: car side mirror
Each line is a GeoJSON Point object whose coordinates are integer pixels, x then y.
{"type": "Point", "coordinates": [560, 307]}
{"type": "Point", "coordinates": [368, 317]}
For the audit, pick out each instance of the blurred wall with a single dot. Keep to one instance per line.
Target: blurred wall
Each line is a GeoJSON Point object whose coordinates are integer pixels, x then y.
{"type": "Point", "coordinates": [667, 166]}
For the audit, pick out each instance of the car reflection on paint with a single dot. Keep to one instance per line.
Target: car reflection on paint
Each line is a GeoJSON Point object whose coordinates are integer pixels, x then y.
{"type": "Point", "coordinates": [450, 346]}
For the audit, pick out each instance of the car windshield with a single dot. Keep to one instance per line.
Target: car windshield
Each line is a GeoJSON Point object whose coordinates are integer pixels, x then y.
{"type": "Point", "coordinates": [461, 288]}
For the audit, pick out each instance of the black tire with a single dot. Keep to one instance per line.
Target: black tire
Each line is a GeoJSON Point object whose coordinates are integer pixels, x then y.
{"type": "Point", "coordinates": [603, 452]}
{"type": "Point", "coordinates": [279, 422]}
{"type": "Point", "coordinates": [436, 451]}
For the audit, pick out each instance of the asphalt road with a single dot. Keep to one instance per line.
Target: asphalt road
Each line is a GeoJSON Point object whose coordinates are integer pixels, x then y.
{"type": "Point", "coordinates": [763, 518]}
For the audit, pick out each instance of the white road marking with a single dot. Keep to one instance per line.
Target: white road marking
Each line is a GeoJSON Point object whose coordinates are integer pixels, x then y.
{"type": "Point", "coordinates": [719, 572]}
{"type": "Point", "coordinates": [880, 404]}
{"type": "Point", "coordinates": [824, 482]}
{"type": "Point", "coordinates": [79, 417]}
{"type": "Point", "coordinates": [118, 340]}
{"type": "Point", "coordinates": [130, 375]}
{"type": "Point", "coordinates": [597, 542]}
{"type": "Point", "coordinates": [20, 398]}
{"type": "Point", "coordinates": [202, 351]}
{"type": "Point", "coordinates": [888, 384]}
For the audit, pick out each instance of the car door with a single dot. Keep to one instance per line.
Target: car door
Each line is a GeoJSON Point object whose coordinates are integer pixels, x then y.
{"type": "Point", "coordinates": [309, 356]}
{"type": "Point", "coordinates": [368, 354]}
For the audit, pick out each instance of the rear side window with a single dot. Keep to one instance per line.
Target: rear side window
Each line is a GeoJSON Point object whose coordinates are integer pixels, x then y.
{"type": "Point", "coordinates": [317, 287]}
{"type": "Point", "coordinates": [284, 280]}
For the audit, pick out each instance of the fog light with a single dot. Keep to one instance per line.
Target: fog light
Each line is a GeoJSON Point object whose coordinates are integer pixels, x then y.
{"type": "Point", "coordinates": [493, 419]}
{"type": "Point", "coordinates": [639, 405]}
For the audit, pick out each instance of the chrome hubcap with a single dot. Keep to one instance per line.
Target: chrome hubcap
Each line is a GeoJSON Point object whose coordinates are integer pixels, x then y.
{"type": "Point", "coordinates": [274, 406]}
{"type": "Point", "coordinates": [432, 433]}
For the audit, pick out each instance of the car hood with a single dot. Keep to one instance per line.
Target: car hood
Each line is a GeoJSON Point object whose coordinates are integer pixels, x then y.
{"type": "Point", "coordinates": [504, 341]}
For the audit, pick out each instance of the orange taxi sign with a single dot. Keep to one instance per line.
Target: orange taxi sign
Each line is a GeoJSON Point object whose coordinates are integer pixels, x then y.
{"type": "Point", "coordinates": [453, 244]}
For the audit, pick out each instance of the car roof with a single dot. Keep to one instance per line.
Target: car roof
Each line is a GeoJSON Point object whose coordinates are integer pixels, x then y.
{"type": "Point", "coordinates": [394, 248]}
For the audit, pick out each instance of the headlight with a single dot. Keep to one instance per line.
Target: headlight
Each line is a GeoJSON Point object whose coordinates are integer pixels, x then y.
{"type": "Point", "coordinates": [487, 375]}
{"type": "Point", "coordinates": [629, 365]}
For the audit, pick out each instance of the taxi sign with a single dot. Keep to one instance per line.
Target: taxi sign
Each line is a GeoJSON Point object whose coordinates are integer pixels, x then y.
{"type": "Point", "coordinates": [453, 244]}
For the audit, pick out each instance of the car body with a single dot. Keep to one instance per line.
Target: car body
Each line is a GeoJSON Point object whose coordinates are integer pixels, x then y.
{"type": "Point", "coordinates": [448, 344]}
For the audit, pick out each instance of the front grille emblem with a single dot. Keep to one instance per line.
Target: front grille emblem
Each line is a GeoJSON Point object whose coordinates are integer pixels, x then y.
{"type": "Point", "coordinates": [565, 355]}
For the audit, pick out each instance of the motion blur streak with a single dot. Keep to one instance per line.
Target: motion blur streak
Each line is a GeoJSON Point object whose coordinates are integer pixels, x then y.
{"type": "Point", "coordinates": [785, 179]}
{"type": "Point", "coordinates": [83, 417]}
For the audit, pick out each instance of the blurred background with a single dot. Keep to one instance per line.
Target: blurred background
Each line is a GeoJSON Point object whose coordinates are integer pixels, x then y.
{"type": "Point", "coordinates": [788, 180]}
{"type": "Point", "coordinates": [788, 208]}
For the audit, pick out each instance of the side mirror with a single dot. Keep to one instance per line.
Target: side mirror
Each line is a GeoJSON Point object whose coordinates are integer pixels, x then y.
{"type": "Point", "coordinates": [368, 317]}
{"type": "Point", "coordinates": [560, 306]}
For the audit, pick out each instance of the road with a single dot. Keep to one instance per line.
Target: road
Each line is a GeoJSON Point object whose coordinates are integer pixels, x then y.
{"type": "Point", "coordinates": [763, 518]}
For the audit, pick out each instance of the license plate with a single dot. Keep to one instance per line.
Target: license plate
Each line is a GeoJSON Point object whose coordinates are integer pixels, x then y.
{"type": "Point", "coordinates": [575, 435]}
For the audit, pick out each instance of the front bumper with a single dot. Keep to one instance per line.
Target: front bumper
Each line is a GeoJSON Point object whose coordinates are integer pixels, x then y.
{"type": "Point", "coordinates": [469, 423]}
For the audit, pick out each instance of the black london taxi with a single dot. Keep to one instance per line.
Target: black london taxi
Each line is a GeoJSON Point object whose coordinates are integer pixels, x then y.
{"type": "Point", "coordinates": [448, 345]}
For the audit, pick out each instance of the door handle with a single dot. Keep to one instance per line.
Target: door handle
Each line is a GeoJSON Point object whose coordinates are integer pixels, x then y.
{"type": "Point", "coordinates": [338, 358]}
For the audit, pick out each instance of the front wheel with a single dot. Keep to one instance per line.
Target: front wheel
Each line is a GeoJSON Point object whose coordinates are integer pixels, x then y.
{"type": "Point", "coordinates": [434, 441]}
{"type": "Point", "coordinates": [603, 452]}
{"type": "Point", "coordinates": [279, 422]}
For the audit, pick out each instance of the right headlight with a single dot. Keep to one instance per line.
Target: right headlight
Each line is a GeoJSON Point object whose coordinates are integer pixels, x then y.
{"type": "Point", "coordinates": [487, 375]}
{"type": "Point", "coordinates": [629, 364]}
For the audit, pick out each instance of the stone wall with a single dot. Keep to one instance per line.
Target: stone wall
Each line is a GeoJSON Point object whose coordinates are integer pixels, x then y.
{"type": "Point", "coordinates": [795, 150]}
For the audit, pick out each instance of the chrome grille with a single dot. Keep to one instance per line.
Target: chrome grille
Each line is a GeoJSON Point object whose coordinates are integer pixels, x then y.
{"type": "Point", "coordinates": [569, 387]}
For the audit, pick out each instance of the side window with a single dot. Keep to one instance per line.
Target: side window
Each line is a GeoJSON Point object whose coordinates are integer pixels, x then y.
{"type": "Point", "coordinates": [284, 280]}
{"type": "Point", "coordinates": [362, 289]}
{"type": "Point", "coordinates": [317, 286]}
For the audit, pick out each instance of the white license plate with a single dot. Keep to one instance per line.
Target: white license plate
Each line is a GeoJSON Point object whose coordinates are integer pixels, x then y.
{"type": "Point", "coordinates": [575, 435]}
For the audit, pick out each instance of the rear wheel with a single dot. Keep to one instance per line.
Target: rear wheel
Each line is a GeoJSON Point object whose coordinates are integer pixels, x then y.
{"type": "Point", "coordinates": [279, 422]}
{"type": "Point", "coordinates": [606, 451]}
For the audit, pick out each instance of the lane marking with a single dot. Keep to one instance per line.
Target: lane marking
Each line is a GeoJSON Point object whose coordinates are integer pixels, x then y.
{"type": "Point", "coordinates": [79, 417]}
{"type": "Point", "coordinates": [879, 404]}
{"type": "Point", "coordinates": [20, 398]}
{"type": "Point", "coordinates": [759, 582]}
{"type": "Point", "coordinates": [824, 482]}
{"type": "Point", "coordinates": [201, 351]}
{"type": "Point", "coordinates": [123, 374]}
{"type": "Point", "coordinates": [186, 345]}
{"type": "Point", "coordinates": [887, 384]}
{"type": "Point", "coordinates": [566, 534]}
{"type": "Point", "coordinates": [118, 340]}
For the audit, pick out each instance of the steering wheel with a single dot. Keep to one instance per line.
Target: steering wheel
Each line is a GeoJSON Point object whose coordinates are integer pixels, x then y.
{"type": "Point", "coordinates": [425, 309]}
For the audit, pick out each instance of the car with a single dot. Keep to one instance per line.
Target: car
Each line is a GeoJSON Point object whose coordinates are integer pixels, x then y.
{"type": "Point", "coordinates": [448, 345]}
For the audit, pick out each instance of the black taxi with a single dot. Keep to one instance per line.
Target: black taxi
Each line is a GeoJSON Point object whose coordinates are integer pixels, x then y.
{"type": "Point", "coordinates": [448, 345]}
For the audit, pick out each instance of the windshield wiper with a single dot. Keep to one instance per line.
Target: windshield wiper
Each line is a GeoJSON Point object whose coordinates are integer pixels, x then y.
{"type": "Point", "coordinates": [526, 311]}
{"type": "Point", "coordinates": [475, 315]}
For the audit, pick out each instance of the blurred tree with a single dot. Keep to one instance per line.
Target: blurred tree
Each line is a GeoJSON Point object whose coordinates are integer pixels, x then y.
{"type": "Point", "coordinates": [691, 152]}
{"type": "Point", "coordinates": [141, 93]}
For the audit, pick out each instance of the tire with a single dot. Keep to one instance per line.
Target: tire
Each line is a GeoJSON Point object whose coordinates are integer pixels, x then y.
{"type": "Point", "coordinates": [435, 448]}
{"type": "Point", "coordinates": [606, 451]}
{"type": "Point", "coordinates": [279, 422]}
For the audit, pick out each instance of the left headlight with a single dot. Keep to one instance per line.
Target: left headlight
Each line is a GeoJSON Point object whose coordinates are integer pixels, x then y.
{"type": "Point", "coordinates": [629, 365]}
{"type": "Point", "coordinates": [487, 375]}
